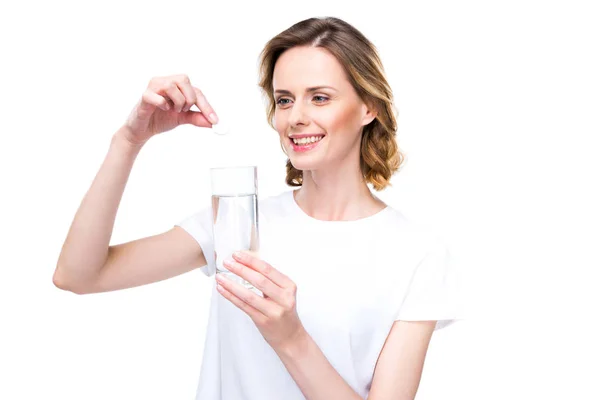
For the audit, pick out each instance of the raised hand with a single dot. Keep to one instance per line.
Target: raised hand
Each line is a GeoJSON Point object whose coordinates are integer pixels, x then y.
{"type": "Point", "coordinates": [165, 105]}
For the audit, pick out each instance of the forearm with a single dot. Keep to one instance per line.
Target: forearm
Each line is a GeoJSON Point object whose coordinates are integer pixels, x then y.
{"type": "Point", "coordinates": [314, 375]}
{"type": "Point", "coordinates": [86, 246]}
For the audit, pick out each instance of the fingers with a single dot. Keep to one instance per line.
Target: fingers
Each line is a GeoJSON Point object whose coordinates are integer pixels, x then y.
{"type": "Point", "coordinates": [175, 95]}
{"type": "Point", "coordinates": [247, 258]}
{"type": "Point", "coordinates": [154, 99]}
{"type": "Point", "coordinates": [204, 107]}
{"type": "Point", "coordinates": [186, 88]}
{"type": "Point", "coordinates": [178, 90]}
{"type": "Point", "coordinates": [251, 303]}
{"type": "Point", "coordinates": [195, 118]}
{"type": "Point", "coordinates": [258, 280]}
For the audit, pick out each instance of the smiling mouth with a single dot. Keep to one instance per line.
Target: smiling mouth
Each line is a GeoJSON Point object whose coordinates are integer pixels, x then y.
{"type": "Point", "coordinates": [307, 140]}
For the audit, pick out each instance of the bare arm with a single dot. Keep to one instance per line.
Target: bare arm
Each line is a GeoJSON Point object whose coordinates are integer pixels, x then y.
{"type": "Point", "coordinates": [86, 247]}
{"type": "Point", "coordinates": [397, 372]}
{"type": "Point", "coordinates": [400, 364]}
{"type": "Point", "coordinates": [147, 260]}
{"type": "Point", "coordinates": [87, 263]}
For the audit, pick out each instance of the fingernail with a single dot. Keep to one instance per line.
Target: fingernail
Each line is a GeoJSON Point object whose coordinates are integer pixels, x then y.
{"type": "Point", "coordinates": [237, 254]}
{"type": "Point", "coordinates": [213, 118]}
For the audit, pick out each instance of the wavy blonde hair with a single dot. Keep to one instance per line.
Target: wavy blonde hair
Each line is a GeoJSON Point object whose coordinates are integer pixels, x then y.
{"type": "Point", "coordinates": [380, 157]}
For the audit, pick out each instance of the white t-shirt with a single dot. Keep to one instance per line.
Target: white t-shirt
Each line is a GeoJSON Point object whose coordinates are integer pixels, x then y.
{"type": "Point", "coordinates": [353, 278]}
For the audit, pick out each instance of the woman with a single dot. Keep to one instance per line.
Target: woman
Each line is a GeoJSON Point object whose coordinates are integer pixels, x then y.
{"type": "Point", "coordinates": [352, 289]}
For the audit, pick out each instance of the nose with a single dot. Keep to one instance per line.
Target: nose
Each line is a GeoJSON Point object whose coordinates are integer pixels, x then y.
{"type": "Point", "coordinates": [297, 115]}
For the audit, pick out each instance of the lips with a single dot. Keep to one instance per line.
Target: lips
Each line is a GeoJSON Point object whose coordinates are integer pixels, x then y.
{"type": "Point", "coordinates": [299, 148]}
{"type": "Point", "coordinates": [304, 135]}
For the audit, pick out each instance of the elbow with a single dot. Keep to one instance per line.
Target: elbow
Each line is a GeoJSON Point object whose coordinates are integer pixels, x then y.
{"type": "Point", "coordinates": [61, 283]}
{"type": "Point", "coordinates": [58, 280]}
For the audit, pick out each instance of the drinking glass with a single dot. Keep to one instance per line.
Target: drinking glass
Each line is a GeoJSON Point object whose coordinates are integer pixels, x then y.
{"type": "Point", "coordinates": [235, 215]}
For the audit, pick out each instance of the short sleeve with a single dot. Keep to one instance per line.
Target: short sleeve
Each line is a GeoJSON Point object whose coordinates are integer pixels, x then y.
{"type": "Point", "coordinates": [199, 226]}
{"type": "Point", "coordinates": [434, 291]}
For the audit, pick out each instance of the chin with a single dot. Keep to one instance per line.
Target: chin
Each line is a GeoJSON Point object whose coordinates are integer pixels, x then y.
{"type": "Point", "coordinates": [302, 166]}
{"type": "Point", "coordinates": [304, 163]}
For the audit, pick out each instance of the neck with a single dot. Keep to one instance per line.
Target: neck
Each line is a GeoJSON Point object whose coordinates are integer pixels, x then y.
{"type": "Point", "coordinates": [337, 195]}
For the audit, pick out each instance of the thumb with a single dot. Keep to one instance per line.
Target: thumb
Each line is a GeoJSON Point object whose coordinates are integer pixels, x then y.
{"type": "Point", "coordinates": [195, 118]}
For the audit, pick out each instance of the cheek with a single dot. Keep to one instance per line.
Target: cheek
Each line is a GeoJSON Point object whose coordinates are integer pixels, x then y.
{"type": "Point", "coordinates": [342, 121]}
{"type": "Point", "coordinates": [279, 122]}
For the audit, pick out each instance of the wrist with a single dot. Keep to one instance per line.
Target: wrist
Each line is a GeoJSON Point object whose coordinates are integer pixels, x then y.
{"type": "Point", "coordinates": [296, 346]}
{"type": "Point", "coordinates": [121, 139]}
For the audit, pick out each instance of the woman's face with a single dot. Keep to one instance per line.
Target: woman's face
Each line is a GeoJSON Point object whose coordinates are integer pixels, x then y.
{"type": "Point", "coordinates": [314, 98]}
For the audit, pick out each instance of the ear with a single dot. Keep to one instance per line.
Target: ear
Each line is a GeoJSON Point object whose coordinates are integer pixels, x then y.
{"type": "Point", "coordinates": [369, 114]}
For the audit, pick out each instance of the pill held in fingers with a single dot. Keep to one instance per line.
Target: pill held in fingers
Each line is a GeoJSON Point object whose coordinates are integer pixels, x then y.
{"type": "Point", "coordinates": [220, 128]}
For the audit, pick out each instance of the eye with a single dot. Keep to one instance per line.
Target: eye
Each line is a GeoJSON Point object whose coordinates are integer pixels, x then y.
{"type": "Point", "coordinates": [319, 99]}
{"type": "Point", "coordinates": [279, 102]}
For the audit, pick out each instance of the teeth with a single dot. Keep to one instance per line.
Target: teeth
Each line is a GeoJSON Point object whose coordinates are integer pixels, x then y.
{"type": "Point", "coordinates": [307, 140]}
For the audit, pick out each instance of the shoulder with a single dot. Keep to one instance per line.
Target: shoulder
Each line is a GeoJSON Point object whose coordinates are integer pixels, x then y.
{"type": "Point", "coordinates": [410, 230]}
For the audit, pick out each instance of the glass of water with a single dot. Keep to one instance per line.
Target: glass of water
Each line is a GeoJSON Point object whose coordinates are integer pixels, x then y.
{"type": "Point", "coordinates": [235, 215]}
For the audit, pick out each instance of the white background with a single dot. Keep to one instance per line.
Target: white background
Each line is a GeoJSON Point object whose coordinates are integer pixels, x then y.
{"type": "Point", "coordinates": [498, 116]}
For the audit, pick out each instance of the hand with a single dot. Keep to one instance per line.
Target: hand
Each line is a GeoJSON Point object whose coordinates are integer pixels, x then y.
{"type": "Point", "coordinates": [275, 315]}
{"type": "Point", "coordinates": [165, 105]}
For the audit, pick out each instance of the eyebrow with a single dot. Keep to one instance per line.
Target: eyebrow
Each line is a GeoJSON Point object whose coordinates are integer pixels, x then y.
{"type": "Point", "coordinates": [308, 90]}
